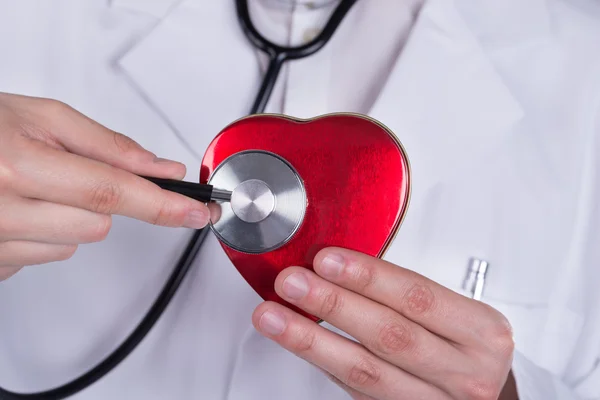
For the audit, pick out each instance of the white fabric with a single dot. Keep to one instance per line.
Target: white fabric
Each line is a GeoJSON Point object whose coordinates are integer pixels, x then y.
{"type": "Point", "coordinates": [497, 103]}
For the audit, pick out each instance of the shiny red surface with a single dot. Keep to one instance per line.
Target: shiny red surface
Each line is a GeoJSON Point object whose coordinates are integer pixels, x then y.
{"type": "Point", "coordinates": [357, 184]}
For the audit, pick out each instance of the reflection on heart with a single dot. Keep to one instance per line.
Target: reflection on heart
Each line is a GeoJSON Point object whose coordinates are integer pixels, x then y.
{"type": "Point", "coordinates": [356, 180]}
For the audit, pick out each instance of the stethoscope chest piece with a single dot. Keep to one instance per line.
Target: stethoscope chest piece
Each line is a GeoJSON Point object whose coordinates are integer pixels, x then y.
{"type": "Point", "coordinates": [268, 202]}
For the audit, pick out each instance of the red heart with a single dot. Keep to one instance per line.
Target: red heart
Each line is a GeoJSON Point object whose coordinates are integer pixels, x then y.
{"type": "Point", "coordinates": [357, 180]}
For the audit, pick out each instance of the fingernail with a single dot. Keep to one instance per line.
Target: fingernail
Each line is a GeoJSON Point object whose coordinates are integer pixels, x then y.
{"type": "Point", "coordinates": [272, 323]}
{"type": "Point", "coordinates": [196, 219]}
{"type": "Point", "coordinates": [295, 286]}
{"type": "Point", "coordinates": [332, 265]}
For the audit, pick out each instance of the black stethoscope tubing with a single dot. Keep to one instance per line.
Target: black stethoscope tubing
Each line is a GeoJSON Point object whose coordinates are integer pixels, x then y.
{"type": "Point", "coordinates": [280, 54]}
{"type": "Point", "coordinates": [277, 56]}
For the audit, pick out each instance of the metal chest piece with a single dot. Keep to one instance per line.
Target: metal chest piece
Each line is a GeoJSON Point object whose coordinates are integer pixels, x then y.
{"type": "Point", "coordinates": [267, 206]}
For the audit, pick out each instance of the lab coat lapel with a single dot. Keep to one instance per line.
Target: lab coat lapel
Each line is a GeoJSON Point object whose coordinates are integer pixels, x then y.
{"type": "Point", "coordinates": [444, 98]}
{"type": "Point", "coordinates": [506, 23]}
{"type": "Point", "coordinates": [450, 107]}
{"type": "Point", "coordinates": [196, 69]}
{"type": "Point", "coordinates": [156, 8]}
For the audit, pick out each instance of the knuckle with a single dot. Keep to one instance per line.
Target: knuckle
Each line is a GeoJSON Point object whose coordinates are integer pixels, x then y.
{"type": "Point", "coordinates": [502, 339]}
{"type": "Point", "coordinates": [498, 333]}
{"type": "Point", "coordinates": [331, 302]}
{"type": "Point", "coordinates": [304, 341]}
{"type": "Point", "coordinates": [55, 107]}
{"type": "Point", "coordinates": [7, 178]}
{"type": "Point", "coordinates": [124, 144]}
{"type": "Point", "coordinates": [364, 374]}
{"type": "Point", "coordinates": [395, 337]}
{"type": "Point", "coordinates": [419, 299]}
{"type": "Point", "coordinates": [166, 214]}
{"type": "Point", "coordinates": [105, 197]}
{"type": "Point", "coordinates": [481, 389]}
{"type": "Point", "coordinates": [7, 175]}
{"type": "Point", "coordinates": [34, 132]}
{"type": "Point", "coordinates": [362, 275]}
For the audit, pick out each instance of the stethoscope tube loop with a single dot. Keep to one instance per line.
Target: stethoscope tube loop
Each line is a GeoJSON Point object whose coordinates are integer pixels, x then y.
{"type": "Point", "coordinates": [275, 51]}
{"type": "Point", "coordinates": [280, 54]}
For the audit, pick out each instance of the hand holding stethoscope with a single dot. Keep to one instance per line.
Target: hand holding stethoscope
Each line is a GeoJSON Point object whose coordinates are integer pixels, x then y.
{"type": "Point", "coordinates": [62, 176]}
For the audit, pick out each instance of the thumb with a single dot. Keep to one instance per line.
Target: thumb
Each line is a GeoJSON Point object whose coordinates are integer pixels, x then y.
{"type": "Point", "coordinates": [86, 137]}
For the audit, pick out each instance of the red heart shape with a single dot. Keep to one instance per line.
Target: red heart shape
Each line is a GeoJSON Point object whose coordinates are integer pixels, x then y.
{"type": "Point", "coordinates": [357, 180]}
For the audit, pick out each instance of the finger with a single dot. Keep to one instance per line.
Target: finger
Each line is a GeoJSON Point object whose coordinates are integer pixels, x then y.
{"type": "Point", "coordinates": [42, 221]}
{"type": "Point", "coordinates": [7, 272]}
{"type": "Point", "coordinates": [348, 361]}
{"type": "Point", "coordinates": [380, 329]}
{"type": "Point", "coordinates": [436, 308]}
{"type": "Point", "coordinates": [86, 137]}
{"type": "Point", "coordinates": [69, 179]}
{"type": "Point", "coordinates": [355, 394]}
{"type": "Point", "coordinates": [19, 252]}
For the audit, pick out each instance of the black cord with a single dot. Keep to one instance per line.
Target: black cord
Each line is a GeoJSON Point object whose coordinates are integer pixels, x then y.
{"type": "Point", "coordinates": [280, 54]}
{"type": "Point", "coordinates": [169, 289]}
{"type": "Point", "coordinates": [277, 56]}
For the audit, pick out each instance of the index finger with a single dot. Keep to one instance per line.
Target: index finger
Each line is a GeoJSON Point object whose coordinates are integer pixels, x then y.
{"type": "Point", "coordinates": [66, 178]}
{"type": "Point", "coordinates": [438, 309]}
{"type": "Point", "coordinates": [81, 135]}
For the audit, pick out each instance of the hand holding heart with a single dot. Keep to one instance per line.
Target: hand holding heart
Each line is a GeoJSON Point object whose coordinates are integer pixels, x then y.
{"type": "Point", "coordinates": [416, 339]}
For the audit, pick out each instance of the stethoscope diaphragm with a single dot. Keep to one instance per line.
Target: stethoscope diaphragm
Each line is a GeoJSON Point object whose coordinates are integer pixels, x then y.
{"type": "Point", "coordinates": [268, 202]}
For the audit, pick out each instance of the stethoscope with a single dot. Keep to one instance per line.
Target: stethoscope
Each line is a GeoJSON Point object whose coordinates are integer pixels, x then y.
{"type": "Point", "coordinates": [278, 55]}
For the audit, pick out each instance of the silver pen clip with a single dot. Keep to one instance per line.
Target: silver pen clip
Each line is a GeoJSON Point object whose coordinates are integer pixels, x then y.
{"type": "Point", "coordinates": [474, 282]}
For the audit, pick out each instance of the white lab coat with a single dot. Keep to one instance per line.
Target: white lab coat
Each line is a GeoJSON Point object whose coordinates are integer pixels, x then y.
{"type": "Point", "coordinates": [496, 102]}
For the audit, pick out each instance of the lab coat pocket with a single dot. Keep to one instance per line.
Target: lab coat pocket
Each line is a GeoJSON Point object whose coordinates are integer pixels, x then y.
{"type": "Point", "coordinates": [544, 333]}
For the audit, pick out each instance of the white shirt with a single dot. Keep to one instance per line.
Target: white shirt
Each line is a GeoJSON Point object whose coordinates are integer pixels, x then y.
{"type": "Point", "coordinates": [497, 104]}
